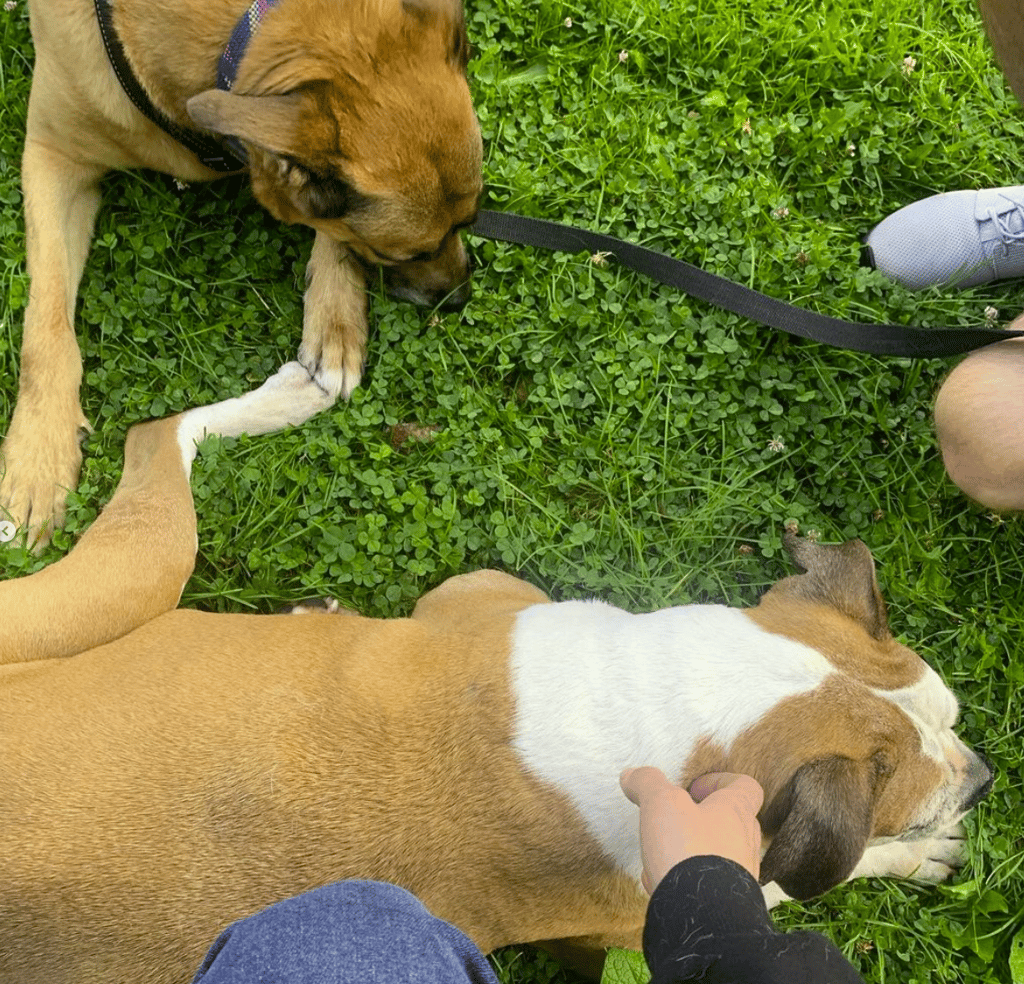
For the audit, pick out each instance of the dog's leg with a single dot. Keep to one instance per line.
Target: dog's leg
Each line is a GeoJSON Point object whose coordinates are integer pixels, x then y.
{"type": "Point", "coordinates": [929, 860]}
{"type": "Point", "coordinates": [133, 562]}
{"type": "Point", "coordinates": [334, 319]}
{"type": "Point", "coordinates": [41, 455]}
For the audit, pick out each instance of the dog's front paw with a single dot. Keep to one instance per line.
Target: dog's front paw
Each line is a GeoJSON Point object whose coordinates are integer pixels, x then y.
{"type": "Point", "coordinates": [930, 860]}
{"type": "Point", "coordinates": [334, 319]}
{"type": "Point", "coordinates": [335, 368]}
{"type": "Point", "coordinates": [939, 857]}
{"type": "Point", "coordinates": [39, 463]}
{"type": "Point", "coordinates": [288, 398]}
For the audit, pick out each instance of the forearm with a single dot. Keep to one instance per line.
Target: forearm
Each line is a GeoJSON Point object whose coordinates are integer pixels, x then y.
{"type": "Point", "coordinates": [707, 921]}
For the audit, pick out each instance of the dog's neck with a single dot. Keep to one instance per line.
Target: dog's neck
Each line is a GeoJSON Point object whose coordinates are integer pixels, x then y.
{"type": "Point", "coordinates": [224, 155]}
{"type": "Point", "coordinates": [598, 690]}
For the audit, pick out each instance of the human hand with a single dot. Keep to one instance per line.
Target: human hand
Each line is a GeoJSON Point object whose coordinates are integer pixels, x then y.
{"type": "Point", "coordinates": [717, 816]}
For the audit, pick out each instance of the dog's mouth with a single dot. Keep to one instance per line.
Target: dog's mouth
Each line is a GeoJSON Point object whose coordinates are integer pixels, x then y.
{"type": "Point", "coordinates": [453, 299]}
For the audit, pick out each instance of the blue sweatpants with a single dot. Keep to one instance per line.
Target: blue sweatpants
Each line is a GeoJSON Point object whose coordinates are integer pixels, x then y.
{"type": "Point", "coordinates": [351, 932]}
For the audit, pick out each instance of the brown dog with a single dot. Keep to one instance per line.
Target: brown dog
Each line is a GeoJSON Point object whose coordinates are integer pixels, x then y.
{"type": "Point", "coordinates": [165, 772]}
{"type": "Point", "coordinates": [356, 119]}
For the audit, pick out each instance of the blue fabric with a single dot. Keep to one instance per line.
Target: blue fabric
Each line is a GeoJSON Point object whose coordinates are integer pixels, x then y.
{"type": "Point", "coordinates": [352, 932]}
{"type": "Point", "coordinates": [246, 27]}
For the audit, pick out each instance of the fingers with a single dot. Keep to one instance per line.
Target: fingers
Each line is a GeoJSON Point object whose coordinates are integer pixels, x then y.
{"type": "Point", "coordinates": [718, 816]}
{"type": "Point", "coordinates": [745, 791]}
{"type": "Point", "coordinates": [642, 783]}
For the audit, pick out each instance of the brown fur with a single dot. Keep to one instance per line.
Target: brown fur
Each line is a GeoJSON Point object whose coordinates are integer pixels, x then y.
{"type": "Point", "coordinates": [358, 122]}
{"type": "Point", "coordinates": [258, 814]}
{"type": "Point", "coordinates": [178, 770]}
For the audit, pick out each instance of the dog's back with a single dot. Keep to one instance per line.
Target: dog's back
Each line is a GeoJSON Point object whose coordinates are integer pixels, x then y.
{"type": "Point", "coordinates": [205, 766]}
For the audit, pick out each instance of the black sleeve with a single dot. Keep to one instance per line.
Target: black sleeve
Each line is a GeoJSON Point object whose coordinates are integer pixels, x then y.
{"type": "Point", "coordinates": [707, 921]}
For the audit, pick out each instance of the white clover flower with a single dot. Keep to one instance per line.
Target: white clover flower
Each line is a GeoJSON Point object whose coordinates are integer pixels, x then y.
{"type": "Point", "coordinates": [747, 128]}
{"type": "Point", "coordinates": [991, 313]}
{"type": "Point", "coordinates": [567, 22]}
{"type": "Point", "coordinates": [623, 55]}
{"type": "Point", "coordinates": [775, 445]}
{"type": "Point", "coordinates": [909, 64]}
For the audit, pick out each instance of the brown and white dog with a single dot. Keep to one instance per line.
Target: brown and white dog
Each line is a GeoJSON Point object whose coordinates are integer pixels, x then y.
{"type": "Point", "coordinates": [165, 772]}
{"type": "Point", "coordinates": [356, 120]}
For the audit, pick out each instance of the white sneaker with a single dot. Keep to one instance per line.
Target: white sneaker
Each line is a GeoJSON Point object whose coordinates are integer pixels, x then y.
{"type": "Point", "coordinates": [959, 238]}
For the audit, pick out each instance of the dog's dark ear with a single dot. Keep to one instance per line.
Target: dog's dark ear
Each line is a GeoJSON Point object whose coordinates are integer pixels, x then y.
{"type": "Point", "coordinates": [819, 823]}
{"type": "Point", "coordinates": [840, 575]}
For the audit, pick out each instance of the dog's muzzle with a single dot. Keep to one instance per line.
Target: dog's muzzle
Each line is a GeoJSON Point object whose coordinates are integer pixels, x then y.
{"type": "Point", "coordinates": [428, 292]}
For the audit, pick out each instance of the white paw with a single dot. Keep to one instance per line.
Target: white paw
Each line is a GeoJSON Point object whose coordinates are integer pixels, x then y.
{"type": "Point", "coordinates": [319, 606]}
{"type": "Point", "coordinates": [930, 860]}
{"type": "Point", "coordinates": [940, 857]}
{"type": "Point", "coordinates": [290, 397]}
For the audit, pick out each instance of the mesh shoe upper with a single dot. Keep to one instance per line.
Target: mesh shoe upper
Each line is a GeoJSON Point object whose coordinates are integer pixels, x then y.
{"type": "Point", "coordinates": [960, 238]}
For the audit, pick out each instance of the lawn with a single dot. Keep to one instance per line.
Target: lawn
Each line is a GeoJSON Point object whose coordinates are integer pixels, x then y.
{"type": "Point", "coordinates": [582, 426]}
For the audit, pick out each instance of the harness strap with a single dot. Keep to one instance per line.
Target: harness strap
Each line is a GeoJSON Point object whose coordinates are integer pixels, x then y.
{"type": "Point", "coordinates": [211, 152]}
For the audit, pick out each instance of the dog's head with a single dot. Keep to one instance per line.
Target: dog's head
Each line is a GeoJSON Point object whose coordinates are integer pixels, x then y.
{"type": "Point", "coordinates": [870, 754]}
{"type": "Point", "coordinates": [358, 121]}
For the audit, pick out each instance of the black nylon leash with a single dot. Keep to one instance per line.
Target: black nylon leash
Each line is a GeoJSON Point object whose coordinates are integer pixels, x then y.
{"type": "Point", "coordinates": [898, 340]}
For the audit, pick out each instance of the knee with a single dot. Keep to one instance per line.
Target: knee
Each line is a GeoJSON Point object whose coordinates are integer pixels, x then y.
{"type": "Point", "coordinates": [979, 419]}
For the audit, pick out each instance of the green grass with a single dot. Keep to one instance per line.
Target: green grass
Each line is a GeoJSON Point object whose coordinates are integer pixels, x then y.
{"type": "Point", "coordinates": [595, 432]}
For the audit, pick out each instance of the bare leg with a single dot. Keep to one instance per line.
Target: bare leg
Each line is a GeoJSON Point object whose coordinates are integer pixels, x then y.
{"type": "Point", "coordinates": [979, 418]}
{"type": "Point", "coordinates": [1004, 24]}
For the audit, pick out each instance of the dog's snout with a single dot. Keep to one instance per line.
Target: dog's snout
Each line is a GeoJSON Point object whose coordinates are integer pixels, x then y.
{"type": "Point", "coordinates": [983, 773]}
{"type": "Point", "coordinates": [457, 299]}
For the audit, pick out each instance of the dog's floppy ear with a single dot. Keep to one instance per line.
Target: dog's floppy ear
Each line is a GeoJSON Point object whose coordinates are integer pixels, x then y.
{"type": "Point", "coordinates": [270, 122]}
{"type": "Point", "coordinates": [819, 823]}
{"type": "Point", "coordinates": [840, 575]}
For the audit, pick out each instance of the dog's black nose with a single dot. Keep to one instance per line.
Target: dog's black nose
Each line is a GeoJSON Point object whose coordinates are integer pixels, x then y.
{"type": "Point", "coordinates": [457, 299]}
{"type": "Point", "coordinates": [986, 779]}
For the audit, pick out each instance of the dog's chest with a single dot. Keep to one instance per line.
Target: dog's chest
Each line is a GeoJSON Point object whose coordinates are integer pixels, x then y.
{"type": "Point", "coordinates": [597, 690]}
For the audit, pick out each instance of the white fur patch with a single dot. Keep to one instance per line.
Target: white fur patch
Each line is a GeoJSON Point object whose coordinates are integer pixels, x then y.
{"type": "Point", "coordinates": [931, 707]}
{"type": "Point", "coordinates": [287, 398]}
{"type": "Point", "coordinates": [599, 690]}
